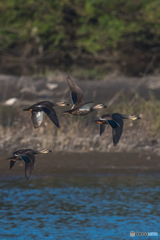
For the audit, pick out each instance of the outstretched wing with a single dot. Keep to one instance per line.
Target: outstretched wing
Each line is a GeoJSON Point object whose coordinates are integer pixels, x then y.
{"type": "Point", "coordinates": [29, 159]}
{"type": "Point", "coordinates": [117, 132]}
{"type": "Point", "coordinates": [28, 169]}
{"type": "Point", "coordinates": [76, 93]}
{"type": "Point", "coordinates": [102, 128]}
{"type": "Point", "coordinates": [28, 156]}
{"type": "Point", "coordinates": [51, 113]}
{"type": "Point", "coordinates": [13, 160]}
{"type": "Point", "coordinates": [37, 118]}
{"type": "Point", "coordinates": [112, 123]}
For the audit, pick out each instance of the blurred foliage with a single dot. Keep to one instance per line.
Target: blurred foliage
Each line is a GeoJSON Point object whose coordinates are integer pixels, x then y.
{"type": "Point", "coordinates": [81, 26]}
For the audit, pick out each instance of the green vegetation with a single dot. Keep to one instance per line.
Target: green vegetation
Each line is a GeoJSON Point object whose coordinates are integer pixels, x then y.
{"type": "Point", "coordinates": [78, 28]}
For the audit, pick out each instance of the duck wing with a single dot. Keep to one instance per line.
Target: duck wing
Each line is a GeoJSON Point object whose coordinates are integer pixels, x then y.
{"type": "Point", "coordinates": [13, 160]}
{"type": "Point", "coordinates": [30, 160]}
{"type": "Point", "coordinates": [117, 131]}
{"type": "Point", "coordinates": [28, 169]}
{"type": "Point", "coordinates": [28, 156]}
{"type": "Point", "coordinates": [37, 118]}
{"type": "Point", "coordinates": [102, 128]}
{"type": "Point", "coordinates": [113, 123]}
{"type": "Point", "coordinates": [76, 93]}
{"type": "Point", "coordinates": [86, 106]}
{"type": "Point", "coordinates": [51, 113]}
{"type": "Point", "coordinates": [108, 122]}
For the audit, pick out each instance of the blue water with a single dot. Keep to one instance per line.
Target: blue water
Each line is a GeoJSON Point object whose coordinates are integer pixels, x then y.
{"type": "Point", "coordinates": [79, 207]}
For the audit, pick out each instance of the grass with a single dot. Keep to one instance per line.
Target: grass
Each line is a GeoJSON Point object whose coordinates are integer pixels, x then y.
{"type": "Point", "coordinates": [17, 131]}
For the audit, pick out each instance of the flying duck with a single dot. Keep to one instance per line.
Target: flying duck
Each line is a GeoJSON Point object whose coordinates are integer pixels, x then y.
{"type": "Point", "coordinates": [79, 107]}
{"type": "Point", "coordinates": [28, 155]}
{"type": "Point", "coordinates": [115, 120]}
{"type": "Point", "coordinates": [39, 108]}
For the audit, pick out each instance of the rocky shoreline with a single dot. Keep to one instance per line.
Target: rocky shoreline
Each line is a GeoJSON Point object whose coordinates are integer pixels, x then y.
{"type": "Point", "coordinates": [111, 89]}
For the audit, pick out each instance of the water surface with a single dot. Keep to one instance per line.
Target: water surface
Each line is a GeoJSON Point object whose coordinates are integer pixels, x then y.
{"type": "Point", "coordinates": [79, 207]}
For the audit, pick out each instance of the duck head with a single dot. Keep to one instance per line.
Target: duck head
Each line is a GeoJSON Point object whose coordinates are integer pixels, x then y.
{"type": "Point", "coordinates": [99, 106]}
{"type": "Point", "coordinates": [134, 117]}
{"type": "Point", "coordinates": [45, 151]}
{"type": "Point", "coordinates": [63, 104]}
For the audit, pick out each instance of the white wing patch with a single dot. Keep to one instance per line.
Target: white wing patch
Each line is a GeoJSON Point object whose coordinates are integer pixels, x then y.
{"type": "Point", "coordinates": [102, 118]}
{"type": "Point", "coordinates": [86, 106]}
{"type": "Point", "coordinates": [39, 116]}
{"type": "Point", "coordinates": [73, 106]}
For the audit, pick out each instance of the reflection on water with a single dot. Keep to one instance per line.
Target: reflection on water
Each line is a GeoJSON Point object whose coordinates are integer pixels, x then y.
{"type": "Point", "coordinates": [79, 207]}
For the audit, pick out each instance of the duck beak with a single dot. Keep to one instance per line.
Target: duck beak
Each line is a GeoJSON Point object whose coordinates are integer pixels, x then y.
{"type": "Point", "coordinates": [139, 118]}
{"type": "Point", "coordinates": [50, 151]}
{"type": "Point", "coordinates": [105, 106]}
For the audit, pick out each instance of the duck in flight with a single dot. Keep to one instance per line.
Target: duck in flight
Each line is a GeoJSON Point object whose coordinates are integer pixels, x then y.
{"type": "Point", "coordinates": [115, 120]}
{"type": "Point", "coordinates": [79, 107]}
{"type": "Point", "coordinates": [28, 156]}
{"type": "Point", "coordinates": [39, 108]}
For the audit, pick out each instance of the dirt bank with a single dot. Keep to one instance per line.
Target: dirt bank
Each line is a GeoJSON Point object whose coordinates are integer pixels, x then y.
{"type": "Point", "coordinates": [86, 163]}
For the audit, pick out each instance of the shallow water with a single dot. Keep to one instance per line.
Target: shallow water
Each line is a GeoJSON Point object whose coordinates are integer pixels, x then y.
{"type": "Point", "coordinates": [79, 207]}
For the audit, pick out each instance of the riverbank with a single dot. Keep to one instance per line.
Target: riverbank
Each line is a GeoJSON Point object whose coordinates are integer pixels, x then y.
{"type": "Point", "coordinates": [86, 163]}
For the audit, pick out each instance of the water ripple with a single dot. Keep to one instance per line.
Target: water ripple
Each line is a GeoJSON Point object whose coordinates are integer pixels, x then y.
{"type": "Point", "coordinates": [79, 207]}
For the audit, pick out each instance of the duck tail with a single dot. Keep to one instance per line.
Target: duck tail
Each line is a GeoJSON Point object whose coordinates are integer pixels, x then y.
{"type": "Point", "coordinates": [26, 109]}
{"type": "Point", "coordinates": [11, 158]}
{"type": "Point", "coordinates": [97, 121]}
{"type": "Point", "coordinates": [67, 112]}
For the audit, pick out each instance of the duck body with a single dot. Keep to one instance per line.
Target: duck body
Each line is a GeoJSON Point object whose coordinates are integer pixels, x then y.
{"type": "Point", "coordinates": [77, 112]}
{"type": "Point", "coordinates": [37, 106]}
{"type": "Point", "coordinates": [82, 110]}
{"type": "Point", "coordinates": [79, 107]}
{"type": "Point", "coordinates": [115, 120]}
{"type": "Point", "coordinates": [28, 156]}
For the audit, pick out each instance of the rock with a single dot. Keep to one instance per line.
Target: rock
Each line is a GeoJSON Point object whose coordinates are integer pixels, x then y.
{"type": "Point", "coordinates": [10, 101]}
{"type": "Point", "coordinates": [52, 86]}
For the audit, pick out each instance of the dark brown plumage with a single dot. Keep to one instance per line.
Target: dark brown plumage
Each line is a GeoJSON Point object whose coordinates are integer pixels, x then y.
{"type": "Point", "coordinates": [79, 107]}
{"type": "Point", "coordinates": [77, 95]}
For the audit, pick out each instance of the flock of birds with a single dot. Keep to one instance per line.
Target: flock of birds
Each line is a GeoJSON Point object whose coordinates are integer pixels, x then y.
{"type": "Point", "coordinates": [79, 108]}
